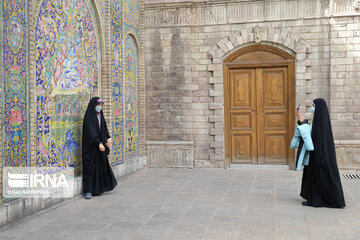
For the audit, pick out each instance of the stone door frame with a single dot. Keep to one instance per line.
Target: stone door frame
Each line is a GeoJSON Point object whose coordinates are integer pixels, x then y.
{"type": "Point", "coordinates": [277, 37]}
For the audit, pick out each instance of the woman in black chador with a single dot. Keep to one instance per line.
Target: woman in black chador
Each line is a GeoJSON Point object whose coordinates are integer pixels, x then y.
{"type": "Point", "coordinates": [321, 184]}
{"type": "Point", "coordinates": [97, 174]}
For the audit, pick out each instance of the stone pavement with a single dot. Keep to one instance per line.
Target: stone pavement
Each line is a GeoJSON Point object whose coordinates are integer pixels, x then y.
{"type": "Point", "coordinates": [173, 204]}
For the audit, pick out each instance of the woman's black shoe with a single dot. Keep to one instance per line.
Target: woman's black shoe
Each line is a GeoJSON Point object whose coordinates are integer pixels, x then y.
{"type": "Point", "coordinates": [305, 203]}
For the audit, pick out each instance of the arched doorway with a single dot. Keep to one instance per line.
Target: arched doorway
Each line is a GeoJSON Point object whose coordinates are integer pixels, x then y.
{"type": "Point", "coordinates": [131, 100]}
{"type": "Point", "coordinates": [259, 98]}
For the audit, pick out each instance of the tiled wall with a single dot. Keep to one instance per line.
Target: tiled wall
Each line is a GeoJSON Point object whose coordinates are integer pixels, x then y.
{"type": "Point", "coordinates": [56, 55]}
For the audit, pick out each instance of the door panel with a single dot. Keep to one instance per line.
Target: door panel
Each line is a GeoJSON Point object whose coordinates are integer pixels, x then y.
{"type": "Point", "coordinates": [241, 81]}
{"type": "Point", "coordinates": [242, 116]}
{"type": "Point", "coordinates": [275, 120]}
{"type": "Point", "coordinates": [241, 121]}
{"type": "Point", "coordinates": [274, 86]}
{"type": "Point", "coordinates": [275, 148]}
{"type": "Point", "coordinates": [242, 148]}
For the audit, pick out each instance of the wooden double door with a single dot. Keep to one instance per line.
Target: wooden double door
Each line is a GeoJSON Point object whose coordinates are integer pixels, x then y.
{"type": "Point", "coordinates": [259, 97]}
{"type": "Point", "coordinates": [258, 115]}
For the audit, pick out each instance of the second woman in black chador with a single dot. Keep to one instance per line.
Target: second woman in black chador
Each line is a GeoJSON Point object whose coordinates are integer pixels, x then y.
{"type": "Point", "coordinates": [98, 176]}
{"type": "Point", "coordinates": [321, 184]}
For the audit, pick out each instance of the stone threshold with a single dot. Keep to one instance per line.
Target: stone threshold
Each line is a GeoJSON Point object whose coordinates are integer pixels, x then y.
{"type": "Point", "coordinates": [263, 166]}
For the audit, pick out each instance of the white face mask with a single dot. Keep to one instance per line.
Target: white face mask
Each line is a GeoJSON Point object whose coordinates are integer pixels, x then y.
{"type": "Point", "coordinates": [313, 109]}
{"type": "Point", "coordinates": [98, 108]}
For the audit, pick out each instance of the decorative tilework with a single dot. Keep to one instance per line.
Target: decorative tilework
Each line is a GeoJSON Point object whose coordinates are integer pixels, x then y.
{"type": "Point", "coordinates": [132, 17]}
{"type": "Point", "coordinates": [131, 97]}
{"type": "Point", "coordinates": [15, 89]}
{"type": "Point", "coordinates": [101, 6]}
{"type": "Point", "coordinates": [117, 84]}
{"type": "Point", "coordinates": [68, 74]}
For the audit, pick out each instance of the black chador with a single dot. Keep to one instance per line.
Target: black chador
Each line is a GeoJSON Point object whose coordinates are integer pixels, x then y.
{"type": "Point", "coordinates": [97, 174]}
{"type": "Point", "coordinates": [321, 184]}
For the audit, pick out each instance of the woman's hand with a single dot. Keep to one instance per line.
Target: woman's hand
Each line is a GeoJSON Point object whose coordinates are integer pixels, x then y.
{"type": "Point", "coordinates": [101, 147]}
{"type": "Point", "coordinates": [299, 116]}
{"type": "Point", "coordinates": [108, 142]}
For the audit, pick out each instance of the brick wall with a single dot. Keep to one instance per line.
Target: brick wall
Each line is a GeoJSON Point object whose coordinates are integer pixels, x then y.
{"type": "Point", "coordinates": [344, 77]}
{"type": "Point", "coordinates": [169, 85]}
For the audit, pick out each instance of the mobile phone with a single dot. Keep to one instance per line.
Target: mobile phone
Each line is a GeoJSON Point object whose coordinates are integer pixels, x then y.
{"type": "Point", "coordinates": [298, 107]}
